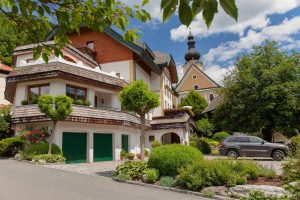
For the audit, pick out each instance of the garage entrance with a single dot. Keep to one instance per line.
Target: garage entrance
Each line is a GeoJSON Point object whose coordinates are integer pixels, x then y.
{"type": "Point", "coordinates": [74, 147]}
{"type": "Point", "coordinates": [103, 147]}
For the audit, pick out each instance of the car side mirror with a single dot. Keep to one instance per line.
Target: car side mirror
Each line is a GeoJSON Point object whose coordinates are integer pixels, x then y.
{"type": "Point", "coordinates": [262, 142]}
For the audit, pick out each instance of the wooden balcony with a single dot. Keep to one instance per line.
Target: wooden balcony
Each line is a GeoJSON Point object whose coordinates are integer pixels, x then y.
{"type": "Point", "coordinates": [87, 51]}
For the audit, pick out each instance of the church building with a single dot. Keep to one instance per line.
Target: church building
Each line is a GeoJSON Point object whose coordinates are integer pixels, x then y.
{"type": "Point", "coordinates": [194, 77]}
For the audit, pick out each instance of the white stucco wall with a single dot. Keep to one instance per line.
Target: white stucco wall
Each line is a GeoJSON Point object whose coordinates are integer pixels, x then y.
{"type": "Point", "coordinates": [140, 74]}
{"type": "Point", "coordinates": [122, 67]}
{"type": "Point", "coordinates": [2, 89]}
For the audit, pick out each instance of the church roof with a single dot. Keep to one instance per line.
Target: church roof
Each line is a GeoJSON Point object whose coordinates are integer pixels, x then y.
{"type": "Point", "coordinates": [192, 53]}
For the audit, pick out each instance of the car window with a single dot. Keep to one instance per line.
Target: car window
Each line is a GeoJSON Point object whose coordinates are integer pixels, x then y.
{"type": "Point", "coordinates": [255, 140]}
{"type": "Point", "coordinates": [238, 139]}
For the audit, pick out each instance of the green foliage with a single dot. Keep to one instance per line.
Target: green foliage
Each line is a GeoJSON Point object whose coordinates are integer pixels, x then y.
{"type": "Point", "coordinates": [166, 181]}
{"type": "Point", "coordinates": [123, 152]}
{"type": "Point", "coordinates": [24, 102]}
{"type": "Point", "coordinates": [87, 103]}
{"type": "Point", "coordinates": [36, 17]}
{"type": "Point", "coordinates": [168, 159]}
{"type": "Point", "coordinates": [150, 175]}
{"type": "Point", "coordinates": [201, 144]}
{"type": "Point", "coordinates": [79, 102]}
{"type": "Point", "coordinates": [57, 108]}
{"type": "Point", "coordinates": [49, 158]}
{"type": "Point", "coordinates": [195, 100]}
{"type": "Point", "coordinates": [138, 98]}
{"type": "Point", "coordinates": [187, 12]}
{"type": "Point", "coordinates": [39, 149]}
{"type": "Point", "coordinates": [5, 122]}
{"type": "Point", "coordinates": [130, 156]}
{"type": "Point", "coordinates": [268, 173]}
{"type": "Point", "coordinates": [295, 143]}
{"type": "Point", "coordinates": [262, 93]}
{"type": "Point", "coordinates": [291, 169]}
{"type": "Point", "coordinates": [219, 136]}
{"type": "Point", "coordinates": [204, 127]}
{"type": "Point", "coordinates": [134, 169]}
{"type": "Point", "coordinates": [121, 177]}
{"type": "Point", "coordinates": [215, 173]}
{"type": "Point", "coordinates": [11, 146]}
{"type": "Point", "coordinates": [156, 144]}
{"type": "Point", "coordinates": [146, 152]}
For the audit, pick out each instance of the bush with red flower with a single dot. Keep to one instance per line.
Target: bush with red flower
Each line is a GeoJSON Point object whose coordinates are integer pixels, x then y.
{"type": "Point", "coordinates": [34, 136]}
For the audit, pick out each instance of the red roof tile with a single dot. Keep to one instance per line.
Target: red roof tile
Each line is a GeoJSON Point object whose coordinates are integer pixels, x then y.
{"type": "Point", "coordinates": [5, 68]}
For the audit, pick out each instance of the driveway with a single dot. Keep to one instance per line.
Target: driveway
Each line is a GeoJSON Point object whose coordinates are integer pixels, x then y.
{"type": "Point", "coordinates": [19, 180]}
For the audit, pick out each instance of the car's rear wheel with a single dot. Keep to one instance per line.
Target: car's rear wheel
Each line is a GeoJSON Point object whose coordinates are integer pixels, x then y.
{"type": "Point", "coordinates": [278, 155]}
{"type": "Point", "coordinates": [232, 153]}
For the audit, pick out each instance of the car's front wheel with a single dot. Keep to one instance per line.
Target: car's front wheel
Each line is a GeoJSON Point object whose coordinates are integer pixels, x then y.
{"type": "Point", "coordinates": [232, 153]}
{"type": "Point", "coordinates": [278, 155]}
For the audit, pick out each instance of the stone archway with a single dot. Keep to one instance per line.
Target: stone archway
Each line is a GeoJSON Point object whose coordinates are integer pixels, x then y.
{"type": "Point", "coordinates": [170, 138]}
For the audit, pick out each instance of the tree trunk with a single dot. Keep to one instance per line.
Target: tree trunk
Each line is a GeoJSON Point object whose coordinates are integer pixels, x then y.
{"type": "Point", "coordinates": [142, 136]}
{"type": "Point", "coordinates": [51, 138]}
{"type": "Point", "coordinates": [267, 134]}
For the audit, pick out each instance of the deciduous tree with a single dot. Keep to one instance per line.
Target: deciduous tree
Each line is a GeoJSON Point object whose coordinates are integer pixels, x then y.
{"type": "Point", "coordinates": [55, 108]}
{"type": "Point", "coordinates": [262, 93]}
{"type": "Point", "coordinates": [138, 98]}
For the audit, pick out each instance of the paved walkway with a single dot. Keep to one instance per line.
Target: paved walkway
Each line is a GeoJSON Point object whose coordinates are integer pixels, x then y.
{"type": "Point", "coordinates": [20, 180]}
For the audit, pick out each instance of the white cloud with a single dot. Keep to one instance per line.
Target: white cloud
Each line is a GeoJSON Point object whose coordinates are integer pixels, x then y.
{"type": "Point", "coordinates": [253, 14]}
{"type": "Point", "coordinates": [282, 33]}
{"type": "Point", "coordinates": [217, 73]}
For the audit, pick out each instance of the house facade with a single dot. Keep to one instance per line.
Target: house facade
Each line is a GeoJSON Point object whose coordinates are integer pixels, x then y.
{"type": "Point", "coordinates": [194, 77]}
{"type": "Point", "coordinates": [94, 68]}
{"type": "Point", "coordinates": [4, 71]}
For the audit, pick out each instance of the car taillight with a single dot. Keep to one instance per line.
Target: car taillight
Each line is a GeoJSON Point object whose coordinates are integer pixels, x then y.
{"type": "Point", "coordinates": [221, 145]}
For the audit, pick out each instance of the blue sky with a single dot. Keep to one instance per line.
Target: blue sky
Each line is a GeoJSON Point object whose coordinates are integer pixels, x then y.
{"type": "Point", "coordinates": [225, 40]}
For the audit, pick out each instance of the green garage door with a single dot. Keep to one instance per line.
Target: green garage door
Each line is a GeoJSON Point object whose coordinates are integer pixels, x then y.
{"type": "Point", "coordinates": [103, 148]}
{"type": "Point", "coordinates": [74, 147]}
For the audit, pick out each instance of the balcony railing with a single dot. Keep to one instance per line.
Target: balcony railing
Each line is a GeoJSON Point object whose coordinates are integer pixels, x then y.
{"type": "Point", "coordinates": [87, 51]}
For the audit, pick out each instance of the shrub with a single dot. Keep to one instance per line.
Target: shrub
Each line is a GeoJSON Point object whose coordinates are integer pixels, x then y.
{"type": "Point", "coordinates": [166, 181]}
{"type": "Point", "coordinates": [79, 102]}
{"type": "Point", "coordinates": [87, 103]}
{"type": "Point", "coordinates": [53, 158]}
{"type": "Point", "coordinates": [34, 136]}
{"type": "Point", "coordinates": [130, 156]}
{"type": "Point", "coordinates": [215, 173]}
{"type": "Point", "coordinates": [295, 143]}
{"type": "Point", "coordinates": [168, 159]}
{"type": "Point", "coordinates": [24, 102]}
{"type": "Point", "coordinates": [123, 153]}
{"type": "Point", "coordinates": [155, 144]}
{"type": "Point", "coordinates": [201, 144]}
{"type": "Point", "coordinates": [146, 152]}
{"type": "Point", "coordinates": [122, 177]}
{"type": "Point", "coordinates": [38, 149]}
{"type": "Point", "coordinates": [134, 169]}
{"type": "Point", "coordinates": [268, 173]}
{"type": "Point", "coordinates": [11, 146]}
{"type": "Point", "coordinates": [291, 169]}
{"type": "Point", "coordinates": [220, 136]}
{"type": "Point", "coordinates": [150, 175]}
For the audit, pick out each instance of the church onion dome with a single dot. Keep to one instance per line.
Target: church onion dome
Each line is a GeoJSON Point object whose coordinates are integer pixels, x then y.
{"type": "Point", "coordinates": [192, 53]}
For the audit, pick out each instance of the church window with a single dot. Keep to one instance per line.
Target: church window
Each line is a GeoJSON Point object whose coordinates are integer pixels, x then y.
{"type": "Point", "coordinates": [196, 87]}
{"type": "Point", "coordinates": [194, 76]}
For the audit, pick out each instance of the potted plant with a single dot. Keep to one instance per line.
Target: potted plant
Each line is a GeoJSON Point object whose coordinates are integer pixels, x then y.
{"type": "Point", "coordinates": [146, 153]}
{"type": "Point", "coordinates": [130, 156]}
{"type": "Point", "coordinates": [123, 155]}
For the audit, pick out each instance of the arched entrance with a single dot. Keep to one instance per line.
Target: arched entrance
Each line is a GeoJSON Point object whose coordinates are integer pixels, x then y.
{"type": "Point", "coordinates": [170, 138]}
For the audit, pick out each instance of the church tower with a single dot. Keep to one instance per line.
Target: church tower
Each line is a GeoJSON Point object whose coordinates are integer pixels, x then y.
{"type": "Point", "coordinates": [192, 56]}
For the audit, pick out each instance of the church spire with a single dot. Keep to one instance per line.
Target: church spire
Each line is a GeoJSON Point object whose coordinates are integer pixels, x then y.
{"type": "Point", "coordinates": [192, 53]}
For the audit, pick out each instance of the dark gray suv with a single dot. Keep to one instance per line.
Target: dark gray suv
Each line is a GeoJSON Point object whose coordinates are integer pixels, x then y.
{"type": "Point", "coordinates": [250, 146]}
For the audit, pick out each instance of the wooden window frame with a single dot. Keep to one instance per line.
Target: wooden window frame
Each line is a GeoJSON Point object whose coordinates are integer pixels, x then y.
{"type": "Point", "coordinates": [35, 86]}
{"type": "Point", "coordinates": [77, 87]}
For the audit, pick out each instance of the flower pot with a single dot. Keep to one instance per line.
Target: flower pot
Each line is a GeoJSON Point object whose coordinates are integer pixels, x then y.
{"type": "Point", "coordinates": [122, 158]}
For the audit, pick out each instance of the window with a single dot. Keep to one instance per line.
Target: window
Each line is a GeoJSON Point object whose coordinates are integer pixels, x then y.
{"type": "Point", "coordinates": [255, 140]}
{"type": "Point", "coordinates": [238, 139]}
{"type": "Point", "coordinates": [151, 138]}
{"type": "Point", "coordinates": [194, 76]}
{"type": "Point", "coordinates": [30, 60]}
{"type": "Point", "coordinates": [90, 45]}
{"type": "Point", "coordinates": [34, 91]}
{"type": "Point", "coordinates": [211, 97]}
{"type": "Point", "coordinates": [76, 93]}
{"type": "Point", "coordinates": [196, 87]}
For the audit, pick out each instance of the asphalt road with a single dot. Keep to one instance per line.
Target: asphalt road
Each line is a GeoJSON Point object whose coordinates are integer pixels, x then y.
{"type": "Point", "coordinates": [24, 181]}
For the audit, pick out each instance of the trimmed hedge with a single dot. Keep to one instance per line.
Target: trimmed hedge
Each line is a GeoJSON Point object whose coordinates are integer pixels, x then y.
{"type": "Point", "coordinates": [11, 146]}
{"type": "Point", "coordinates": [134, 169]}
{"type": "Point", "coordinates": [39, 149]}
{"type": "Point", "coordinates": [168, 159]}
{"type": "Point", "coordinates": [53, 158]}
{"type": "Point", "coordinates": [219, 136]}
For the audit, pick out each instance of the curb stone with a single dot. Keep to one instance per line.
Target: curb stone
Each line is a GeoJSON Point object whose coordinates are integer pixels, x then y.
{"type": "Point", "coordinates": [218, 197]}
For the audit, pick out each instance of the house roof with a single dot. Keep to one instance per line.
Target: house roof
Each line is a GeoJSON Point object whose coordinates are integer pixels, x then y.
{"type": "Point", "coordinates": [192, 65]}
{"type": "Point", "coordinates": [31, 113]}
{"type": "Point", "coordinates": [63, 71]}
{"type": "Point", "coordinates": [166, 60]}
{"type": "Point", "coordinates": [140, 49]}
{"type": "Point", "coordinates": [5, 68]}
